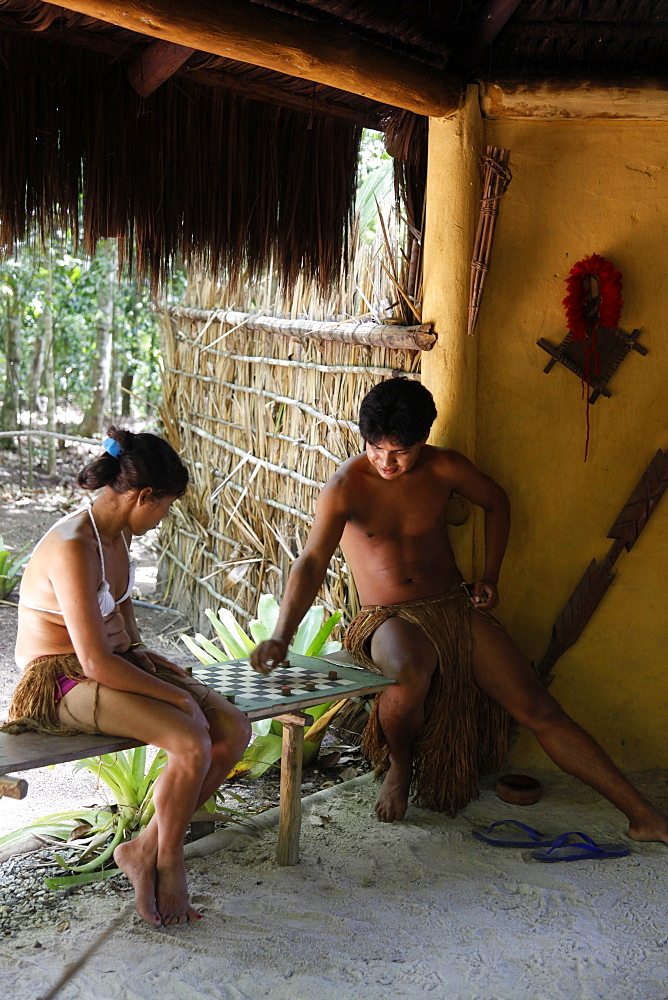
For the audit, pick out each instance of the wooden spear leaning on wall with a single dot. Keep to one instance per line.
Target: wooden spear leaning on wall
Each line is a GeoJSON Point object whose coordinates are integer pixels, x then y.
{"type": "Point", "coordinates": [593, 586]}
{"type": "Point", "coordinates": [496, 178]}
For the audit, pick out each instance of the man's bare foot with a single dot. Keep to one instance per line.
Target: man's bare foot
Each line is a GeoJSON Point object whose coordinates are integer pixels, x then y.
{"type": "Point", "coordinates": [654, 826]}
{"type": "Point", "coordinates": [392, 800]}
{"type": "Point", "coordinates": [136, 859]}
{"type": "Point", "coordinates": [172, 895]}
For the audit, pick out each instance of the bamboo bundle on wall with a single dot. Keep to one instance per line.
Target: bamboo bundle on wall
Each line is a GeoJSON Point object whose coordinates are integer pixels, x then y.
{"type": "Point", "coordinates": [262, 419]}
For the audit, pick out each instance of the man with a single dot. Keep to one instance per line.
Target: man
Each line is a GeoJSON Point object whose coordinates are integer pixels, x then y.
{"type": "Point", "coordinates": [457, 671]}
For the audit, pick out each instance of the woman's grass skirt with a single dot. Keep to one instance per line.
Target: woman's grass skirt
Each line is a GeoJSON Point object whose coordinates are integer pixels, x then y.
{"type": "Point", "coordinates": [34, 706]}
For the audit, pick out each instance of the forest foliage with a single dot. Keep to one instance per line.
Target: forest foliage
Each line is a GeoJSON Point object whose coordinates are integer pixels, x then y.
{"type": "Point", "coordinates": [73, 328]}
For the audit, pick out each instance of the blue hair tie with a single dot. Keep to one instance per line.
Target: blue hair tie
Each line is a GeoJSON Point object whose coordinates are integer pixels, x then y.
{"type": "Point", "coordinates": [112, 447]}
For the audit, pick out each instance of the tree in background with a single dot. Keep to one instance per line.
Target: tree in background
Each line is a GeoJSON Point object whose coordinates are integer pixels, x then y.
{"type": "Point", "coordinates": [107, 257]}
{"type": "Point", "coordinates": [73, 335]}
{"type": "Point", "coordinates": [10, 290]}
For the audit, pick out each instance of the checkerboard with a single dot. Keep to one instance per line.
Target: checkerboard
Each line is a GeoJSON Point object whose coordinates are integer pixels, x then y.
{"type": "Point", "coordinates": [298, 682]}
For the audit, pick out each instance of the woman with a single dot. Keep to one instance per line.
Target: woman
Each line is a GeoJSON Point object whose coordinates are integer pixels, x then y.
{"type": "Point", "coordinates": [87, 670]}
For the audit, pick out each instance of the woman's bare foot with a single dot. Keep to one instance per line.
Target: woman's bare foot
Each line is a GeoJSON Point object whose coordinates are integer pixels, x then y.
{"type": "Point", "coordinates": [653, 826]}
{"type": "Point", "coordinates": [136, 859]}
{"type": "Point", "coordinates": [172, 894]}
{"type": "Point", "coordinates": [392, 800]}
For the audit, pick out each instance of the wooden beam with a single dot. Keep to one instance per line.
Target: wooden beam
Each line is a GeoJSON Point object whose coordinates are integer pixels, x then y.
{"type": "Point", "coordinates": [583, 100]}
{"type": "Point", "coordinates": [272, 93]}
{"type": "Point", "coordinates": [414, 338]}
{"type": "Point", "coordinates": [324, 53]}
{"type": "Point", "coordinates": [155, 65]}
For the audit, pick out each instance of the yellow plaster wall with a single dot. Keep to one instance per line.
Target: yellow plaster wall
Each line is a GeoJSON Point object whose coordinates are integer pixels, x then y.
{"type": "Point", "coordinates": [453, 196]}
{"type": "Point", "coordinates": [580, 188]}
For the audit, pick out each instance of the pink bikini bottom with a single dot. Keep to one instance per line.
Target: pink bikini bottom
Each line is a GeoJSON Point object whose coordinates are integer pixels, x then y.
{"type": "Point", "coordinates": [63, 685]}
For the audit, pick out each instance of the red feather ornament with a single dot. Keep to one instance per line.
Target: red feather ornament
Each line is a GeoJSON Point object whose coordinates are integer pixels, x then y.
{"type": "Point", "coordinates": [594, 299]}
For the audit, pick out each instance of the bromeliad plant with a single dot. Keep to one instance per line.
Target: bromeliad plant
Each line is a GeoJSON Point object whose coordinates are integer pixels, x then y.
{"type": "Point", "coordinates": [95, 833]}
{"type": "Point", "coordinates": [10, 567]}
{"type": "Point", "coordinates": [312, 639]}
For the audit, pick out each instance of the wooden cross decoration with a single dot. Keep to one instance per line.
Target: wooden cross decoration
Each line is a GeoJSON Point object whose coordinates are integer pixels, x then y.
{"type": "Point", "coordinates": [612, 346]}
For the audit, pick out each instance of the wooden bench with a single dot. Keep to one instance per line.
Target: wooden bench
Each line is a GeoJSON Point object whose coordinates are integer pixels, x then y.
{"type": "Point", "coordinates": [32, 750]}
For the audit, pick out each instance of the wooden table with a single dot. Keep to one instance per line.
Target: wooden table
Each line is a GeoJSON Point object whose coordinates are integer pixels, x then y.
{"type": "Point", "coordinates": [31, 750]}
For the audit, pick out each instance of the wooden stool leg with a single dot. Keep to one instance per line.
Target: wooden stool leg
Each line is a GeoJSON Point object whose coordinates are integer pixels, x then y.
{"type": "Point", "coordinates": [290, 808]}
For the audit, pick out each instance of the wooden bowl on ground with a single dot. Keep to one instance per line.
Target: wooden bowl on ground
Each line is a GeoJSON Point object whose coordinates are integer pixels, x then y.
{"type": "Point", "coordinates": [519, 789]}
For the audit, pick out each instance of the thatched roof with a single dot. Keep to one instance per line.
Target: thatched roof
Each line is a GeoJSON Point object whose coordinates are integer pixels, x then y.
{"type": "Point", "coordinates": [233, 164]}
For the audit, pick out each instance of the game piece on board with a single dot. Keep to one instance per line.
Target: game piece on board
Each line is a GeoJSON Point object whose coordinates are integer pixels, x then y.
{"type": "Point", "coordinates": [230, 698]}
{"type": "Point", "coordinates": [332, 675]}
{"type": "Point", "coordinates": [286, 689]}
{"type": "Point", "coordinates": [285, 663]}
{"type": "Point", "coordinates": [310, 686]}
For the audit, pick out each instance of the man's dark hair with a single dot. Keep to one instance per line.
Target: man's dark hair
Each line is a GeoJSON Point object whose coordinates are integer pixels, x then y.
{"type": "Point", "coordinates": [400, 410]}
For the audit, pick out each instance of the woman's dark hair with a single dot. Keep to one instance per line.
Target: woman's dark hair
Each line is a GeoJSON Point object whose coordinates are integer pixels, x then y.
{"type": "Point", "coordinates": [144, 460]}
{"type": "Point", "coordinates": [400, 410]}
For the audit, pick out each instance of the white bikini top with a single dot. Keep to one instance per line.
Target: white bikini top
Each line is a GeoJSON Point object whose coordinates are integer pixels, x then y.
{"type": "Point", "coordinates": [105, 598]}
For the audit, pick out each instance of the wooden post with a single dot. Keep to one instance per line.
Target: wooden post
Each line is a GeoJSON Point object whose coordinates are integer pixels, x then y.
{"type": "Point", "coordinates": [13, 788]}
{"type": "Point", "coordinates": [290, 806]}
{"type": "Point", "coordinates": [453, 205]}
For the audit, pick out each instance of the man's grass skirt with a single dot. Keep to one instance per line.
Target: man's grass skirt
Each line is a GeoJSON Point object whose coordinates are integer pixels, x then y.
{"type": "Point", "coordinates": [464, 733]}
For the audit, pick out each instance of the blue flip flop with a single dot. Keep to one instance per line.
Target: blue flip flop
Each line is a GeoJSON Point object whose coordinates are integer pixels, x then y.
{"type": "Point", "coordinates": [524, 836]}
{"type": "Point", "coordinates": [584, 850]}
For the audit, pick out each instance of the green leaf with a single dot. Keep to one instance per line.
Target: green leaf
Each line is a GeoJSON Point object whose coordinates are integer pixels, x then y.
{"type": "Point", "coordinates": [228, 619]}
{"type": "Point", "coordinates": [68, 880]}
{"type": "Point", "coordinates": [330, 647]}
{"type": "Point", "coordinates": [233, 647]}
{"type": "Point", "coordinates": [211, 648]}
{"type": "Point", "coordinates": [264, 625]}
{"type": "Point", "coordinates": [138, 760]}
{"type": "Point", "coordinates": [262, 753]}
{"type": "Point", "coordinates": [315, 711]}
{"type": "Point", "coordinates": [323, 634]}
{"type": "Point", "coordinates": [308, 629]}
{"type": "Point", "coordinates": [54, 825]}
{"type": "Point", "coordinates": [197, 650]}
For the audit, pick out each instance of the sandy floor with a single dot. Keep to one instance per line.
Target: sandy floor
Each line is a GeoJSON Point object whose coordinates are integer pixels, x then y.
{"type": "Point", "coordinates": [407, 911]}
{"type": "Point", "coordinates": [404, 911]}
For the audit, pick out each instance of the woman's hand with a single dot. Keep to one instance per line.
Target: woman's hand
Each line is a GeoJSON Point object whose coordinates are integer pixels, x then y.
{"type": "Point", "coordinates": [150, 660]}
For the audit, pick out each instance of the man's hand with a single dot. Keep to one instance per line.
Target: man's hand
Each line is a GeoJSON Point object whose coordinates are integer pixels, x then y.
{"type": "Point", "coordinates": [484, 595]}
{"type": "Point", "coordinates": [268, 655]}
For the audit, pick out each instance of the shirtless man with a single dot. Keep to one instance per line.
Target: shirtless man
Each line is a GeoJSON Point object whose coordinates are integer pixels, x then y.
{"type": "Point", "coordinates": [387, 508]}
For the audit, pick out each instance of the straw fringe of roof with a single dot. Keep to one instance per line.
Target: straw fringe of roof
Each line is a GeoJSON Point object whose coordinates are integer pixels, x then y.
{"type": "Point", "coordinates": [188, 175]}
